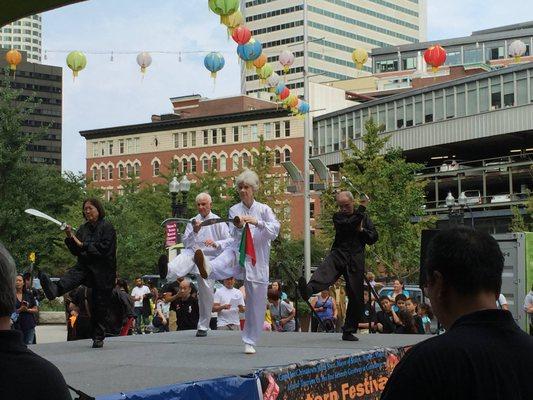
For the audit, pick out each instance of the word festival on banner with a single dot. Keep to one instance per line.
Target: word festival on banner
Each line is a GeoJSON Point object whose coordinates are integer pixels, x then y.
{"type": "Point", "coordinates": [360, 376]}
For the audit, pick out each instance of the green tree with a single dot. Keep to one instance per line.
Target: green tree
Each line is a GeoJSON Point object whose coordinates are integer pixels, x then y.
{"type": "Point", "coordinates": [396, 197]}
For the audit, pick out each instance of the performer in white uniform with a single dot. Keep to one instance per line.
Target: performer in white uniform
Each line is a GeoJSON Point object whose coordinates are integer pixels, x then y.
{"type": "Point", "coordinates": [212, 240]}
{"type": "Point", "coordinates": [264, 228]}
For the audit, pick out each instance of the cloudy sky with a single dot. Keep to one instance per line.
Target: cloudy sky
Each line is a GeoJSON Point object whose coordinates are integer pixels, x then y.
{"type": "Point", "coordinates": [110, 93]}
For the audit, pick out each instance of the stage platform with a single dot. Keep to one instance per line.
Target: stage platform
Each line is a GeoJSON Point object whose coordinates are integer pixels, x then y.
{"type": "Point", "coordinates": [132, 363]}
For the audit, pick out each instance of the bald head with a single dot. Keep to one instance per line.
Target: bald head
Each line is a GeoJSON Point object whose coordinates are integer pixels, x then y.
{"type": "Point", "coordinates": [345, 201]}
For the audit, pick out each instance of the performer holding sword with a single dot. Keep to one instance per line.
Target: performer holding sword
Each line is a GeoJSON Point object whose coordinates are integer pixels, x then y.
{"type": "Point", "coordinates": [94, 244]}
{"type": "Point", "coordinates": [212, 238]}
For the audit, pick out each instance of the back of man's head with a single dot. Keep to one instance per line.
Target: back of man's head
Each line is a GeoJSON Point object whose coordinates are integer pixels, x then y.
{"type": "Point", "coordinates": [470, 261]}
{"type": "Point", "coordinates": [7, 283]}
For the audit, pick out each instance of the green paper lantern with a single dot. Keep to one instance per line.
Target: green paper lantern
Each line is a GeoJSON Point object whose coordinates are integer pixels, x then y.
{"type": "Point", "coordinates": [76, 61]}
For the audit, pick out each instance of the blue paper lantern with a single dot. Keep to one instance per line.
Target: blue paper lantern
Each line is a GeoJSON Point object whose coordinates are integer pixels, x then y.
{"type": "Point", "coordinates": [214, 62]}
{"type": "Point", "coordinates": [279, 88]}
{"type": "Point", "coordinates": [250, 51]}
{"type": "Point", "coordinates": [303, 107]}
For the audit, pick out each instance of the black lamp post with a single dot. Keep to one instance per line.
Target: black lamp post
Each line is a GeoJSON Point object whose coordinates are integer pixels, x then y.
{"type": "Point", "coordinates": [179, 205]}
{"type": "Point", "coordinates": [456, 215]}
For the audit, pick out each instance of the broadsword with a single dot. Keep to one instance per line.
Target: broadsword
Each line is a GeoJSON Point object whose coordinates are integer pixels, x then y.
{"type": "Point", "coordinates": [40, 214]}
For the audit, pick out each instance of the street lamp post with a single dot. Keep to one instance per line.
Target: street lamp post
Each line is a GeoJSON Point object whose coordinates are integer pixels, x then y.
{"type": "Point", "coordinates": [455, 216]}
{"type": "Point", "coordinates": [175, 188]}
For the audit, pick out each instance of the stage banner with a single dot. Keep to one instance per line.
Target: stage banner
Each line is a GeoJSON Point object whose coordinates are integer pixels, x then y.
{"type": "Point", "coordinates": [359, 376]}
{"type": "Point", "coordinates": [171, 234]}
{"type": "Point", "coordinates": [228, 388]}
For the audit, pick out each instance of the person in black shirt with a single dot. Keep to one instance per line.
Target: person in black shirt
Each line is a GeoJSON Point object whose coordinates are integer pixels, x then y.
{"type": "Point", "coordinates": [353, 231]}
{"type": "Point", "coordinates": [483, 354]}
{"type": "Point", "coordinates": [95, 245]}
{"type": "Point", "coordinates": [386, 318]}
{"type": "Point", "coordinates": [25, 375]}
{"type": "Point", "coordinates": [183, 299]}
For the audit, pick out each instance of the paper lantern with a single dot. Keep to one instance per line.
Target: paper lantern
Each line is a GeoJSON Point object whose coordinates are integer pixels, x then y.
{"type": "Point", "coordinates": [286, 59]}
{"type": "Point", "coordinates": [233, 21]}
{"type": "Point", "coordinates": [250, 51]}
{"type": "Point", "coordinates": [214, 62]}
{"type": "Point", "coordinates": [284, 93]}
{"type": "Point", "coordinates": [260, 61]}
{"type": "Point", "coordinates": [517, 49]}
{"type": "Point", "coordinates": [435, 56]}
{"type": "Point", "coordinates": [291, 101]}
{"type": "Point", "coordinates": [273, 80]}
{"type": "Point", "coordinates": [279, 88]}
{"type": "Point", "coordinates": [359, 57]}
{"type": "Point", "coordinates": [13, 58]}
{"type": "Point", "coordinates": [241, 35]}
{"type": "Point", "coordinates": [303, 107]}
{"type": "Point", "coordinates": [224, 8]}
{"type": "Point", "coordinates": [76, 61]}
{"type": "Point", "coordinates": [265, 72]}
{"type": "Point", "coordinates": [144, 60]}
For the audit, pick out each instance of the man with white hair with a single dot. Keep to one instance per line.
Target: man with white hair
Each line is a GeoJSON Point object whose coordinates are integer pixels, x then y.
{"type": "Point", "coordinates": [264, 227]}
{"type": "Point", "coordinates": [25, 375]}
{"type": "Point", "coordinates": [212, 240]}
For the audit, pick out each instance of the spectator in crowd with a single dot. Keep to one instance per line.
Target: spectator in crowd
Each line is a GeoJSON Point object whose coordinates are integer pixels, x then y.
{"type": "Point", "coordinates": [326, 308]}
{"type": "Point", "coordinates": [399, 304]}
{"type": "Point", "coordinates": [276, 285]}
{"type": "Point", "coordinates": [425, 312]}
{"type": "Point", "coordinates": [37, 293]}
{"type": "Point", "coordinates": [228, 303]}
{"type": "Point", "coordinates": [282, 313]}
{"type": "Point", "coordinates": [410, 306]}
{"type": "Point", "coordinates": [386, 318]}
{"type": "Point", "coordinates": [78, 302]}
{"type": "Point", "coordinates": [397, 289]}
{"type": "Point", "coordinates": [267, 324]}
{"type": "Point", "coordinates": [139, 293]}
{"type": "Point", "coordinates": [154, 292]}
{"type": "Point", "coordinates": [170, 295]}
{"type": "Point", "coordinates": [483, 354]}
{"type": "Point", "coordinates": [161, 316]}
{"type": "Point", "coordinates": [25, 375]}
{"type": "Point", "coordinates": [122, 309]}
{"type": "Point", "coordinates": [501, 302]}
{"type": "Point", "coordinates": [528, 308]}
{"type": "Point", "coordinates": [369, 320]}
{"type": "Point", "coordinates": [26, 308]}
{"type": "Point", "coordinates": [371, 278]}
{"type": "Point", "coordinates": [407, 323]}
{"type": "Point", "coordinates": [187, 311]}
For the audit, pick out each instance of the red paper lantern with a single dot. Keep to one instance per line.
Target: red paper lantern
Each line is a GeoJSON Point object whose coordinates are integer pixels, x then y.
{"type": "Point", "coordinates": [241, 35]}
{"type": "Point", "coordinates": [435, 56]}
{"type": "Point", "coordinates": [284, 93]}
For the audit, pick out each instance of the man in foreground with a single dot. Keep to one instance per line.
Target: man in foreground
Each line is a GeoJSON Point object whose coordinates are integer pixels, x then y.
{"type": "Point", "coordinates": [483, 354]}
{"type": "Point", "coordinates": [25, 375]}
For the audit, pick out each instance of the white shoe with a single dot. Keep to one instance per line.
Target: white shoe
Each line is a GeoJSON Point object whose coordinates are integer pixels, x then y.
{"type": "Point", "coordinates": [249, 349]}
{"type": "Point", "coordinates": [204, 267]}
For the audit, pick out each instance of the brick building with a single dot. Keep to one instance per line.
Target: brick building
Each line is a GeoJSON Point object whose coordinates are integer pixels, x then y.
{"type": "Point", "coordinates": [201, 134]}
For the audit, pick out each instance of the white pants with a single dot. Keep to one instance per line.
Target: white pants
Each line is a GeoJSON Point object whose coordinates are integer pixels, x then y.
{"type": "Point", "coordinates": [225, 266]}
{"type": "Point", "coordinates": [184, 264]}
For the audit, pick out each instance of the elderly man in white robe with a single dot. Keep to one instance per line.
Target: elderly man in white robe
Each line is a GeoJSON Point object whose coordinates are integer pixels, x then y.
{"type": "Point", "coordinates": [211, 240]}
{"type": "Point", "coordinates": [264, 228]}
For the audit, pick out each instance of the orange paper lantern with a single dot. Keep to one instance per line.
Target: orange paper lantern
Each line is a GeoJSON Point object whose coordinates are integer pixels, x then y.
{"type": "Point", "coordinates": [13, 58]}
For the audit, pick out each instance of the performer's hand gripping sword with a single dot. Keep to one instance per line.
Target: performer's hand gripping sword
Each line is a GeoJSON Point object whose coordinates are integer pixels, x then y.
{"type": "Point", "coordinates": [362, 195]}
{"type": "Point", "coordinates": [37, 213]}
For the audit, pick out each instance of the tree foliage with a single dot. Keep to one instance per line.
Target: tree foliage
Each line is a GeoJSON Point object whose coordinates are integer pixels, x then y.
{"type": "Point", "coordinates": [396, 197]}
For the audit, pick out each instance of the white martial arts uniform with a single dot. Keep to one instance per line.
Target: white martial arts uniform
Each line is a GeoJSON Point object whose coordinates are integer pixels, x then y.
{"type": "Point", "coordinates": [255, 277]}
{"type": "Point", "coordinates": [183, 264]}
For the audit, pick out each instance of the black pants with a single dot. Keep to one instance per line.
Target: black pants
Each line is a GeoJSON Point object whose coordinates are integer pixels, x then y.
{"type": "Point", "coordinates": [100, 299]}
{"type": "Point", "coordinates": [327, 273]}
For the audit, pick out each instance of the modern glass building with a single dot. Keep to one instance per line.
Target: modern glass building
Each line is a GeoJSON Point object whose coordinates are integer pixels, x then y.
{"type": "Point", "coordinates": [336, 28]}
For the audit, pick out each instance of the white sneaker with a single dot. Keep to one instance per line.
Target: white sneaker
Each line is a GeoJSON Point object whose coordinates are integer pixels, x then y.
{"type": "Point", "coordinates": [204, 267]}
{"type": "Point", "coordinates": [249, 349]}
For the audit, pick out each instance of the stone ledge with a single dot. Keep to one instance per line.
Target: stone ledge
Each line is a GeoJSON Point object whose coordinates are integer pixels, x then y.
{"type": "Point", "coordinates": [52, 317]}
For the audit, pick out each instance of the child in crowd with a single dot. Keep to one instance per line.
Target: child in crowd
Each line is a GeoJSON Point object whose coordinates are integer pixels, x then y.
{"type": "Point", "coordinates": [410, 306]}
{"type": "Point", "coordinates": [399, 303]}
{"type": "Point", "coordinates": [425, 312]}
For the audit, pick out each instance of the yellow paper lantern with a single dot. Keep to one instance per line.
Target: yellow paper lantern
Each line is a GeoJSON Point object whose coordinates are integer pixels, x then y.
{"type": "Point", "coordinates": [359, 57]}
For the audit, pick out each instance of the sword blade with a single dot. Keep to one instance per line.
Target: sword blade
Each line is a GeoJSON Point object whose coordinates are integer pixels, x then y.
{"type": "Point", "coordinates": [182, 220]}
{"type": "Point", "coordinates": [39, 214]}
{"type": "Point", "coordinates": [213, 221]}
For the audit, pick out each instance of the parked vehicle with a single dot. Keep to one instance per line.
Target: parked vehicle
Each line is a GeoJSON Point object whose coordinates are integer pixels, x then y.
{"type": "Point", "coordinates": [449, 165]}
{"type": "Point", "coordinates": [473, 197]}
{"type": "Point", "coordinates": [501, 198]}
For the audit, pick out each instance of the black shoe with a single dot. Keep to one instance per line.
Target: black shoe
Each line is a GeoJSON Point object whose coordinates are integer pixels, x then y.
{"type": "Point", "coordinates": [201, 333]}
{"type": "Point", "coordinates": [302, 288]}
{"type": "Point", "coordinates": [350, 337]}
{"type": "Point", "coordinates": [49, 287]}
{"type": "Point", "coordinates": [162, 266]}
{"type": "Point", "coordinates": [98, 344]}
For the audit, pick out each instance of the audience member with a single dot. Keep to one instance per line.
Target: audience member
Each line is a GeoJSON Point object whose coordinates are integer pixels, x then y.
{"type": "Point", "coordinates": [139, 292]}
{"type": "Point", "coordinates": [122, 309]}
{"type": "Point", "coordinates": [399, 304]}
{"type": "Point", "coordinates": [161, 316]}
{"type": "Point", "coordinates": [386, 318]}
{"type": "Point", "coordinates": [77, 303]}
{"type": "Point", "coordinates": [326, 308]}
{"type": "Point", "coordinates": [425, 312]}
{"type": "Point", "coordinates": [26, 308]}
{"type": "Point", "coordinates": [483, 354]}
{"type": "Point", "coordinates": [528, 308]}
{"type": "Point", "coordinates": [228, 303]}
{"type": "Point", "coordinates": [276, 285]}
{"type": "Point", "coordinates": [369, 321]}
{"type": "Point", "coordinates": [410, 306]}
{"type": "Point", "coordinates": [397, 289]}
{"type": "Point", "coordinates": [170, 295]}
{"type": "Point", "coordinates": [501, 302]}
{"type": "Point", "coordinates": [25, 375]}
{"type": "Point", "coordinates": [187, 310]}
{"type": "Point", "coordinates": [282, 313]}
{"type": "Point", "coordinates": [407, 323]}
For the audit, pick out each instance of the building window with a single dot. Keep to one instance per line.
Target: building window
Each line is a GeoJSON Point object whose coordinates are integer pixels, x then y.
{"type": "Point", "coordinates": [95, 174]}
{"type": "Point", "coordinates": [409, 63]}
{"type": "Point", "coordinates": [193, 164]}
{"type": "Point", "coordinates": [287, 128]}
{"type": "Point", "coordinates": [253, 132]}
{"type": "Point", "coordinates": [495, 53]}
{"type": "Point", "coordinates": [137, 142]}
{"type": "Point", "coordinates": [120, 171]}
{"type": "Point", "coordinates": [245, 160]}
{"type": "Point", "coordinates": [103, 174]}
{"type": "Point", "coordinates": [223, 135]}
{"type": "Point", "coordinates": [495, 94]}
{"type": "Point", "coordinates": [176, 140]}
{"type": "Point", "coordinates": [387, 65]}
{"type": "Point", "coordinates": [129, 145]}
{"type": "Point", "coordinates": [129, 170]}
{"type": "Point", "coordinates": [268, 131]}
{"type": "Point", "coordinates": [121, 146]}
{"type": "Point", "coordinates": [184, 166]}
{"type": "Point", "coordinates": [137, 169]}
{"type": "Point", "coordinates": [155, 168]}
{"type": "Point", "coordinates": [110, 172]}
{"type": "Point", "coordinates": [213, 162]}
{"type": "Point", "coordinates": [287, 155]}
{"type": "Point", "coordinates": [222, 163]}
{"type": "Point", "coordinates": [235, 162]}
{"type": "Point", "coordinates": [95, 149]}
{"type": "Point", "coordinates": [102, 148]}
{"type": "Point", "coordinates": [185, 139]}
{"type": "Point", "coordinates": [215, 136]}
{"type": "Point", "coordinates": [235, 134]}
{"type": "Point", "coordinates": [277, 157]}
{"type": "Point", "coordinates": [110, 147]}
{"type": "Point", "coordinates": [206, 137]}
{"type": "Point", "coordinates": [245, 133]}
{"type": "Point", "coordinates": [278, 129]}
{"type": "Point", "coordinates": [205, 164]}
